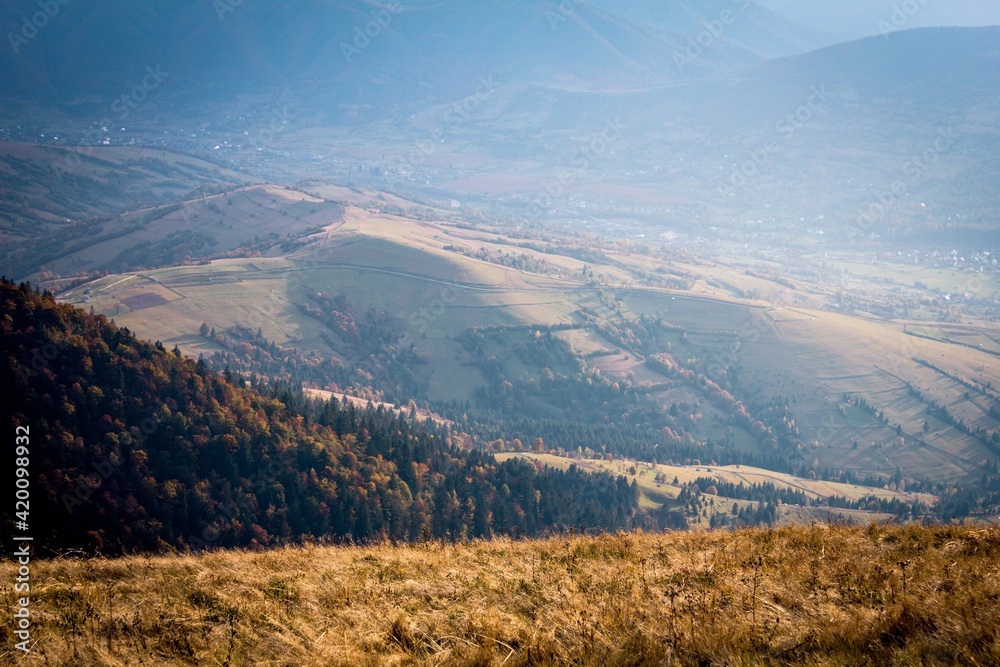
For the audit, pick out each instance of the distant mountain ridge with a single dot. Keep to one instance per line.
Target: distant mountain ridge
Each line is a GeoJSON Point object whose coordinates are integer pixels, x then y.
{"type": "Point", "coordinates": [350, 62]}
{"type": "Point", "coordinates": [695, 89]}
{"type": "Point", "coordinates": [366, 53]}
{"type": "Point", "coordinates": [743, 23]}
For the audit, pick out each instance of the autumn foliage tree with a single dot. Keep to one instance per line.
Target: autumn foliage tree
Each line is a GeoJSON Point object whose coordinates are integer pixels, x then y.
{"type": "Point", "coordinates": [135, 448]}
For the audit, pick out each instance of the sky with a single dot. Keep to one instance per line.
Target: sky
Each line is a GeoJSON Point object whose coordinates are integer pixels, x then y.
{"type": "Point", "coordinates": [869, 17]}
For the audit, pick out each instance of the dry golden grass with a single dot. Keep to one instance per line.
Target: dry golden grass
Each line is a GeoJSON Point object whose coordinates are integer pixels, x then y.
{"type": "Point", "coordinates": [812, 596]}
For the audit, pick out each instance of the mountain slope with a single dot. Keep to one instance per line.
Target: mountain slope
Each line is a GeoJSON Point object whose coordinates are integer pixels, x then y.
{"type": "Point", "coordinates": [45, 187]}
{"type": "Point", "coordinates": [905, 126]}
{"type": "Point", "coordinates": [825, 596]}
{"type": "Point", "coordinates": [323, 51]}
{"type": "Point", "coordinates": [587, 345]}
{"type": "Point", "coordinates": [741, 24]}
{"type": "Point", "coordinates": [133, 447]}
{"type": "Point", "coordinates": [208, 223]}
{"type": "Point", "coordinates": [467, 99]}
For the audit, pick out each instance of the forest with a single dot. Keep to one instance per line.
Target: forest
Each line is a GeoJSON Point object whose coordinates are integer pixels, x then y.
{"type": "Point", "coordinates": [135, 448]}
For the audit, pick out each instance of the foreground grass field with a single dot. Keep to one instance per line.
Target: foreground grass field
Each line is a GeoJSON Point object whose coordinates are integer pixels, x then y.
{"type": "Point", "coordinates": [814, 596]}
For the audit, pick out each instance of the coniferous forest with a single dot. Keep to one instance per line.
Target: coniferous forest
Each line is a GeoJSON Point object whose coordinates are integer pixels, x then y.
{"type": "Point", "coordinates": [135, 448]}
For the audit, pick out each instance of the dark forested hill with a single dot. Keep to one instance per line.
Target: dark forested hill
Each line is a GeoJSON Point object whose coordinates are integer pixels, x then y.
{"type": "Point", "coordinates": [332, 48]}
{"type": "Point", "coordinates": [133, 447]}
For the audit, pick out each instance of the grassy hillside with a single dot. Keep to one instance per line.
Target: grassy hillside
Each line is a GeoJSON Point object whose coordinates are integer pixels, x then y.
{"type": "Point", "coordinates": [243, 221]}
{"type": "Point", "coordinates": [46, 187]}
{"type": "Point", "coordinates": [834, 391]}
{"type": "Point", "coordinates": [821, 596]}
{"type": "Point", "coordinates": [238, 221]}
{"type": "Point", "coordinates": [386, 262]}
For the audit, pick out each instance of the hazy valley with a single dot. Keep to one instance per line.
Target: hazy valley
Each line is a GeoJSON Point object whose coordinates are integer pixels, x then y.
{"type": "Point", "coordinates": [432, 271]}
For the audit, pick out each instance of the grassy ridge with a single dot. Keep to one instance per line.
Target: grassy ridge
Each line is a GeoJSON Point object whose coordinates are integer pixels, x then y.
{"type": "Point", "coordinates": [47, 186]}
{"type": "Point", "coordinates": [818, 596]}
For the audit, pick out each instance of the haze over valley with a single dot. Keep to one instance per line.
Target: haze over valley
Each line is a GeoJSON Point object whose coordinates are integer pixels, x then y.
{"type": "Point", "coordinates": [326, 271]}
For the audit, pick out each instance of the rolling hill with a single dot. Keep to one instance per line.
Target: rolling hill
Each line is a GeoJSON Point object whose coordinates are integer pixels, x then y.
{"type": "Point", "coordinates": [211, 223]}
{"type": "Point", "coordinates": [465, 312]}
{"type": "Point", "coordinates": [547, 261]}
{"type": "Point", "coordinates": [883, 138]}
{"type": "Point", "coordinates": [47, 188]}
{"type": "Point", "coordinates": [459, 307]}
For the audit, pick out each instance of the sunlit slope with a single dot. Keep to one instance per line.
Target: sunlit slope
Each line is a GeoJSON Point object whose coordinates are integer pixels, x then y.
{"type": "Point", "coordinates": [817, 596]}
{"type": "Point", "coordinates": [822, 362]}
{"type": "Point", "coordinates": [865, 395]}
{"type": "Point", "coordinates": [389, 264]}
{"type": "Point", "coordinates": [877, 361]}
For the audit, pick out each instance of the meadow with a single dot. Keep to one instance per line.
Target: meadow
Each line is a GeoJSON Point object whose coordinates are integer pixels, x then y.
{"type": "Point", "coordinates": [818, 595]}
